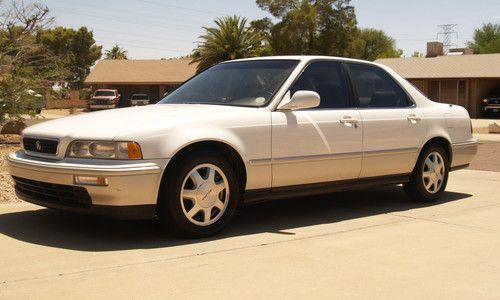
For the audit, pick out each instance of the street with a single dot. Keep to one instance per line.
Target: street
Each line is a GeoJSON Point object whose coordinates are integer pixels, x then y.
{"type": "Point", "coordinates": [360, 244]}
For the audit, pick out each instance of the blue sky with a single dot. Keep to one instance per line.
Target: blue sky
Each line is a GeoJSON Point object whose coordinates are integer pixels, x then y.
{"type": "Point", "coordinates": [151, 29]}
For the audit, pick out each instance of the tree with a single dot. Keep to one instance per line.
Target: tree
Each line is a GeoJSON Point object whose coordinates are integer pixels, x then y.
{"type": "Point", "coordinates": [325, 27]}
{"type": "Point", "coordinates": [230, 39]}
{"type": "Point", "coordinates": [28, 70]}
{"type": "Point", "coordinates": [417, 54]}
{"type": "Point", "coordinates": [372, 44]}
{"type": "Point", "coordinates": [392, 53]}
{"type": "Point", "coordinates": [486, 39]}
{"type": "Point", "coordinates": [262, 27]}
{"type": "Point", "coordinates": [76, 48]}
{"type": "Point", "coordinates": [116, 52]}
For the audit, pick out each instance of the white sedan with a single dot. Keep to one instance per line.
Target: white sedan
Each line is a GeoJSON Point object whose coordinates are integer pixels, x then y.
{"type": "Point", "coordinates": [244, 131]}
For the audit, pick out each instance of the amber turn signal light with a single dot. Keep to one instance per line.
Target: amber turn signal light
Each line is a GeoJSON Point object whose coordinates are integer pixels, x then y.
{"type": "Point", "coordinates": [134, 151]}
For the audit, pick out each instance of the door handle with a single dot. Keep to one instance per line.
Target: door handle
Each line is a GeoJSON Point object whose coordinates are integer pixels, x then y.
{"type": "Point", "coordinates": [414, 118]}
{"type": "Point", "coordinates": [349, 121]}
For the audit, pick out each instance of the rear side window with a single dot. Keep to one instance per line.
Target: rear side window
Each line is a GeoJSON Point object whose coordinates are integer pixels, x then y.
{"type": "Point", "coordinates": [328, 80]}
{"type": "Point", "coordinates": [375, 88]}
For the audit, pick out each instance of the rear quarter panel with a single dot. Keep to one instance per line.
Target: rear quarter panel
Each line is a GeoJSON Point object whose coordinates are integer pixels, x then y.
{"type": "Point", "coordinates": [451, 122]}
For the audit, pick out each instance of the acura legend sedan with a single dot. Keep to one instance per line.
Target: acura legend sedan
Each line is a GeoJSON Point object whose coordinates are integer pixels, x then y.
{"type": "Point", "coordinates": [244, 131]}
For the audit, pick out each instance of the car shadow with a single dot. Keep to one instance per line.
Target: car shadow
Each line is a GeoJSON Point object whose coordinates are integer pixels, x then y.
{"type": "Point", "coordinates": [61, 230]}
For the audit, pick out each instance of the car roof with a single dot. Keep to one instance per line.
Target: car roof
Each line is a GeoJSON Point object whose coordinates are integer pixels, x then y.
{"type": "Point", "coordinates": [303, 58]}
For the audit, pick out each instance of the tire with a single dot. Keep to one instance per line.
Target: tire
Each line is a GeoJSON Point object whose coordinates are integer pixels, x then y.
{"type": "Point", "coordinates": [38, 111]}
{"type": "Point", "coordinates": [430, 176]}
{"type": "Point", "coordinates": [183, 204]}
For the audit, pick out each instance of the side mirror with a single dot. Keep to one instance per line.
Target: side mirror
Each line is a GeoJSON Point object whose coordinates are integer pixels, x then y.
{"type": "Point", "coordinates": [300, 100]}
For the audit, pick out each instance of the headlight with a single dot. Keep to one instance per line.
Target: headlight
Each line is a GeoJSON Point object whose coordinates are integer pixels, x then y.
{"type": "Point", "coordinates": [105, 150]}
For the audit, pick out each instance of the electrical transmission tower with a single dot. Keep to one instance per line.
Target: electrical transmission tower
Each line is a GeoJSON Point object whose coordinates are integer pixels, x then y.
{"type": "Point", "coordinates": [447, 32]}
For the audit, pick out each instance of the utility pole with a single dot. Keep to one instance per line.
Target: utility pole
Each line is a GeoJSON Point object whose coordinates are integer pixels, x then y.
{"type": "Point", "coordinates": [447, 32]}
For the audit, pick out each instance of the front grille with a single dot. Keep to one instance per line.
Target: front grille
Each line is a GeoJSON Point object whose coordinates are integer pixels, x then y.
{"type": "Point", "coordinates": [65, 195]}
{"type": "Point", "coordinates": [40, 145]}
{"type": "Point", "coordinates": [103, 102]}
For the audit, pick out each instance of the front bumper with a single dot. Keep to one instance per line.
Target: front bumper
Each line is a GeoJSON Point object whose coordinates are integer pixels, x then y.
{"type": "Point", "coordinates": [492, 108]}
{"type": "Point", "coordinates": [102, 106]}
{"type": "Point", "coordinates": [139, 103]}
{"type": "Point", "coordinates": [132, 188]}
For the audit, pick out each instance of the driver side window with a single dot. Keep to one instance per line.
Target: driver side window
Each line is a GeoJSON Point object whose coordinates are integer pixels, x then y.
{"type": "Point", "coordinates": [328, 80]}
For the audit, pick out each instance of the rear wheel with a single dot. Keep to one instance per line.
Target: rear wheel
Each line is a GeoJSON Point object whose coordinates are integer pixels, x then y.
{"type": "Point", "coordinates": [199, 194]}
{"type": "Point", "coordinates": [430, 176]}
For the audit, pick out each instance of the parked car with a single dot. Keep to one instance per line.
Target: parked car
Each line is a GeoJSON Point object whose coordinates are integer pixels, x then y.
{"type": "Point", "coordinates": [492, 106]}
{"type": "Point", "coordinates": [104, 99]}
{"type": "Point", "coordinates": [246, 131]}
{"type": "Point", "coordinates": [139, 99]}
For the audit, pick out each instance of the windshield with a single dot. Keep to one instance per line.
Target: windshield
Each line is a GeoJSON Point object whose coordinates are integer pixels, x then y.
{"type": "Point", "coordinates": [244, 83]}
{"type": "Point", "coordinates": [140, 97]}
{"type": "Point", "coordinates": [104, 94]}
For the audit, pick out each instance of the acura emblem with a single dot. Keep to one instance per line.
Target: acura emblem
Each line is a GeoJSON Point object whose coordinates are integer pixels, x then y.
{"type": "Point", "coordinates": [38, 146]}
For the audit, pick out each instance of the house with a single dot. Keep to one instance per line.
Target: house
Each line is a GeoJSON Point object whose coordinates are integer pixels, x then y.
{"type": "Point", "coordinates": [130, 76]}
{"type": "Point", "coordinates": [457, 78]}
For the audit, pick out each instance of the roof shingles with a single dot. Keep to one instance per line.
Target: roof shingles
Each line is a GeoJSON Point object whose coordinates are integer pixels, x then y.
{"type": "Point", "coordinates": [131, 71]}
{"type": "Point", "coordinates": [451, 66]}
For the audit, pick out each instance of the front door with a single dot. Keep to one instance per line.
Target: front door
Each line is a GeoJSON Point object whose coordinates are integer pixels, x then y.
{"type": "Point", "coordinates": [321, 144]}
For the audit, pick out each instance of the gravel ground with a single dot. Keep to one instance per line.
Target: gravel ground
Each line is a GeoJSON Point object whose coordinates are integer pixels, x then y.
{"type": "Point", "coordinates": [7, 194]}
{"type": "Point", "coordinates": [8, 144]}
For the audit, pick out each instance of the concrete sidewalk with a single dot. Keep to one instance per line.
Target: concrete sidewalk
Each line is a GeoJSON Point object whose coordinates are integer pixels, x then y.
{"type": "Point", "coordinates": [481, 126]}
{"type": "Point", "coordinates": [362, 244]}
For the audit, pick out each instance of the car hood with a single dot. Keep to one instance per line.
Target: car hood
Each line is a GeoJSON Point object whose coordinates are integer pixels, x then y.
{"type": "Point", "coordinates": [130, 121]}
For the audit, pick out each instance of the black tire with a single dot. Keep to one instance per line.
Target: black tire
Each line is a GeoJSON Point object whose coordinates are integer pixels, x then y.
{"type": "Point", "coordinates": [415, 189]}
{"type": "Point", "coordinates": [38, 111]}
{"type": "Point", "coordinates": [169, 208]}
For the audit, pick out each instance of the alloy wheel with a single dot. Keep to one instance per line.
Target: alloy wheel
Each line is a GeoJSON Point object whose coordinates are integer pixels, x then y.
{"type": "Point", "coordinates": [433, 172]}
{"type": "Point", "coordinates": [205, 194]}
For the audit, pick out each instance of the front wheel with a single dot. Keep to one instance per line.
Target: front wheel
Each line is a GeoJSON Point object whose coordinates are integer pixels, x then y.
{"type": "Point", "coordinates": [430, 176]}
{"type": "Point", "coordinates": [199, 194]}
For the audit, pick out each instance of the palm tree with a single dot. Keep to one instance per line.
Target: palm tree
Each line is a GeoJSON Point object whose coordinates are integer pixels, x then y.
{"type": "Point", "coordinates": [231, 39]}
{"type": "Point", "coordinates": [115, 53]}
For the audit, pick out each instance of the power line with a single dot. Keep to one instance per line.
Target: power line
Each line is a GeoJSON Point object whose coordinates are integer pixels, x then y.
{"type": "Point", "coordinates": [159, 39]}
{"type": "Point", "coordinates": [114, 19]}
{"type": "Point", "coordinates": [447, 32]}
{"type": "Point", "coordinates": [128, 13]}
{"type": "Point", "coordinates": [184, 8]}
{"type": "Point", "coordinates": [143, 47]}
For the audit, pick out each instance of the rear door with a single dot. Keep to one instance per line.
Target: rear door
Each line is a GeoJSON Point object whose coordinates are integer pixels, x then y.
{"type": "Point", "coordinates": [393, 128]}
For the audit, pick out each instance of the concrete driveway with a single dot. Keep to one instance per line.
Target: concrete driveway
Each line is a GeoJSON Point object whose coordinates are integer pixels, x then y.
{"type": "Point", "coordinates": [362, 244]}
